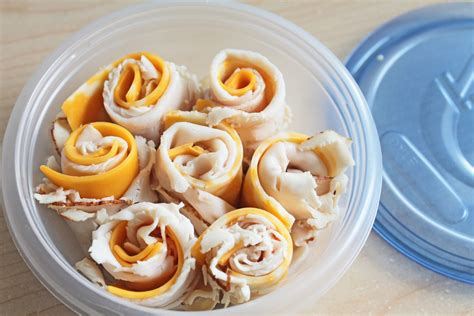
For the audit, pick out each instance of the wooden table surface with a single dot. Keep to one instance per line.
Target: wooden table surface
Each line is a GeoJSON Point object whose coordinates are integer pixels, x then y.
{"type": "Point", "coordinates": [381, 281]}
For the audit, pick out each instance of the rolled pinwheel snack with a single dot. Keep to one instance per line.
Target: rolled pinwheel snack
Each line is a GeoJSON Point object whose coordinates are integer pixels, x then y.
{"type": "Point", "coordinates": [243, 254]}
{"type": "Point", "coordinates": [103, 169]}
{"type": "Point", "coordinates": [247, 91]}
{"type": "Point", "coordinates": [146, 249]}
{"type": "Point", "coordinates": [299, 179]}
{"type": "Point", "coordinates": [135, 92]}
{"type": "Point", "coordinates": [199, 165]}
{"type": "Point", "coordinates": [98, 160]}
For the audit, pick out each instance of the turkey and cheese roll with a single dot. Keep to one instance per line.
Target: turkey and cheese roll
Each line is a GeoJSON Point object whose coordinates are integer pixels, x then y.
{"type": "Point", "coordinates": [134, 91]}
{"type": "Point", "coordinates": [200, 166]}
{"type": "Point", "coordinates": [245, 253]}
{"type": "Point", "coordinates": [299, 179]}
{"type": "Point", "coordinates": [103, 169]}
{"type": "Point", "coordinates": [98, 160]}
{"type": "Point", "coordinates": [146, 249]}
{"type": "Point", "coordinates": [247, 91]}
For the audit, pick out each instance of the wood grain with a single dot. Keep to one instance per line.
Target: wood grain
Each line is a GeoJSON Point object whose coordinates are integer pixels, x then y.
{"type": "Point", "coordinates": [381, 281]}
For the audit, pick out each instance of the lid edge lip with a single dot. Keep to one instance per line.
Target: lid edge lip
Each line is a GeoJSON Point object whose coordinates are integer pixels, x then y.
{"type": "Point", "coordinates": [414, 255]}
{"type": "Point", "coordinates": [352, 58]}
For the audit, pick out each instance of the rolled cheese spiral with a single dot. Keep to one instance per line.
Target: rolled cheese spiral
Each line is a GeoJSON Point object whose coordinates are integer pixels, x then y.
{"type": "Point", "coordinates": [299, 178]}
{"type": "Point", "coordinates": [134, 91]}
{"type": "Point", "coordinates": [247, 91]}
{"type": "Point", "coordinates": [200, 165]}
{"type": "Point", "coordinates": [98, 160]}
{"type": "Point", "coordinates": [146, 249]}
{"type": "Point", "coordinates": [246, 253]}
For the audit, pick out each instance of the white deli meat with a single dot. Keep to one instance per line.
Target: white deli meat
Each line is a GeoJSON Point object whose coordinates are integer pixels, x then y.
{"type": "Point", "coordinates": [84, 214]}
{"type": "Point", "coordinates": [258, 113]}
{"type": "Point", "coordinates": [180, 94]}
{"type": "Point", "coordinates": [90, 141]}
{"type": "Point", "coordinates": [168, 265]}
{"type": "Point", "coordinates": [244, 254]}
{"type": "Point", "coordinates": [300, 179]}
{"type": "Point", "coordinates": [204, 173]}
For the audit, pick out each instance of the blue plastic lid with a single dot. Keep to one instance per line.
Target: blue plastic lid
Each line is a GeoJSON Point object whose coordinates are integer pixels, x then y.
{"type": "Point", "coordinates": [417, 73]}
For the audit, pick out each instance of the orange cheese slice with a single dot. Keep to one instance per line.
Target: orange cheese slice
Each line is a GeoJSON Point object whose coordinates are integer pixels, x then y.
{"type": "Point", "coordinates": [225, 258]}
{"type": "Point", "coordinates": [202, 104]}
{"type": "Point", "coordinates": [253, 193]}
{"type": "Point", "coordinates": [97, 157]}
{"type": "Point", "coordinates": [86, 104]}
{"type": "Point", "coordinates": [256, 283]}
{"type": "Point", "coordinates": [117, 239]}
{"type": "Point", "coordinates": [128, 92]}
{"type": "Point", "coordinates": [160, 290]}
{"type": "Point", "coordinates": [114, 182]}
{"type": "Point", "coordinates": [185, 149]}
{"type": "Point", "coordinates": [227, 186]}
{"type": "Point", "coordinates": [231, 218]}
{"type": "Point", "coordinates": [239, 83]}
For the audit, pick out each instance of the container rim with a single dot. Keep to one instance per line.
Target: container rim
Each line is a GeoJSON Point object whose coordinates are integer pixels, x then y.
{"type": "Point", "coordinates": [29, 240]}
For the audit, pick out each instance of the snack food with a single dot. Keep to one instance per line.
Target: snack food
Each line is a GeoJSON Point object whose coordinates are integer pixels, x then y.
{"type": "Point", "coordinates": [299, 179]}
{"type": "Point", "coordinates": [243, 254]}
{"type": "Point", "coordinates": [247, 91]}
{"type": "Point", "coordinates": [163, 226]}
{"type": "Point", "coordinates": [146, 248]}
{"type": "Point", "coordinates": [102, 167]}
{"type": "Point", "coordinates": [135, 92]}
{"type": "Point", "coordinates": [98, 160]}
{"type": "Point", "coordinates": [199, 165]}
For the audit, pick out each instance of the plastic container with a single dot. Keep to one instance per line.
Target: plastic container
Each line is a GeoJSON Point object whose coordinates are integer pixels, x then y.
{"type": "Point", "coordinates": [320, 91]}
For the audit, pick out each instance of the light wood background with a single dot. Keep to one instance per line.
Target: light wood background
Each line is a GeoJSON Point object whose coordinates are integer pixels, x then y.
{"type": "Point", "coordinates": [381, 281]}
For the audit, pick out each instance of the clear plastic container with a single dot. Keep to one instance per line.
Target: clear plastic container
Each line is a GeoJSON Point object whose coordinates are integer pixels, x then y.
{"type": "Point", "coordinates": [320, 91]}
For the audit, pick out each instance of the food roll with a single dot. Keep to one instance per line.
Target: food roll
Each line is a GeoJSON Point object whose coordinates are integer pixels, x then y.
{"type": "Point", "coordinates": [146, 250]}
{"type": "Point", "coordinates": [246, 90]}
{"type": "Point", "coordinates": [245, 253]}
{"type": "Point", "coordinates": [199, 165]}
{"type": "Point", "coordinates": [299, 179]}
{"type": "Point", "coordinates": [102, 169]}
{"type": "Point", "coordinates": [135, 91]}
